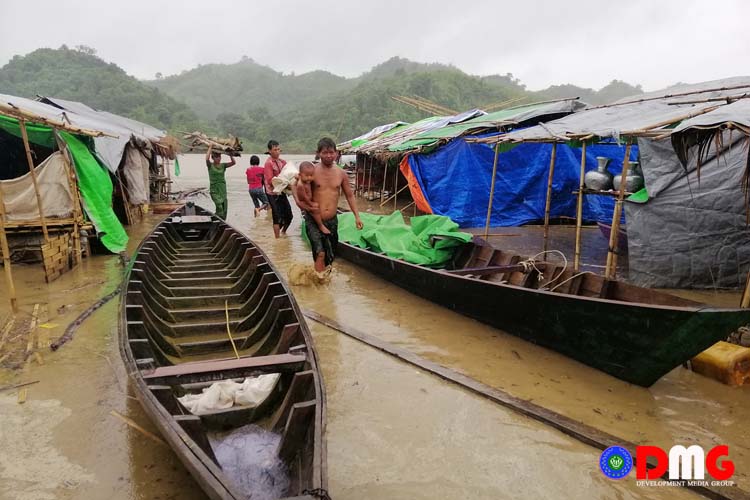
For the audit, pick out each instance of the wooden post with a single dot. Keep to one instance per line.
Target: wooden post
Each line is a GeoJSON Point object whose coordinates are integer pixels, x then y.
{"type": "Point", "coordinates": [385, 171]}
{"type": "Point", "coordinates": [369, 180]}
{"type": "Point", "coordinates": [745, 302]}
{"type": "Point", "coordinates": [77, 211]}
{"type": "Point", "coordinates": [492, 190]}
{"type": "Point", "coordinates": [611, 269]}
{"type": "Point", "coordinates": [26, 146]}
{"type": "Point", "coordinates": [548, 204]}
{"type": "Point", "coordinates": [579, 209]}
{"type": "Point", "coordinates": [6, 256]}
{"type": "Point", "coordinates": [356, 176]}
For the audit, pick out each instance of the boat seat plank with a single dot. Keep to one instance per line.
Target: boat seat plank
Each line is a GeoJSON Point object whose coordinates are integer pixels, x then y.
{"type": "Point", "coordinates": [275, 361]}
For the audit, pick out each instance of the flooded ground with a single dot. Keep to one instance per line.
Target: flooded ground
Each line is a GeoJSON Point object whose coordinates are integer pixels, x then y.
{"type": "Point", "coordinates": [393, 431]}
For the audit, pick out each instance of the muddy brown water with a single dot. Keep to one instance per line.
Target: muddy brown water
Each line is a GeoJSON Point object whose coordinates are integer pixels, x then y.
{"type": "Point", "coordinates": [394, 431]}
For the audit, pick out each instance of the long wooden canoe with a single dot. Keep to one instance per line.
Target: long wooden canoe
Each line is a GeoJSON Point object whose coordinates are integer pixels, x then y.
{"type": "Point", "coordinates": [193, 279]}
{"type": "Point", "coordinates": [635, 334]}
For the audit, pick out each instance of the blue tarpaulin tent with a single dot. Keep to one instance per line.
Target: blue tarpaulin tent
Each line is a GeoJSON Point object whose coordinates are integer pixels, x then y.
{"type": "Point", "coordinates": [456, 179]}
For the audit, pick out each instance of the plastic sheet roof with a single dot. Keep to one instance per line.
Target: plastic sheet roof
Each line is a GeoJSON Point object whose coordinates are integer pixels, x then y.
{"type": "Point", "coordinates": [45, 111]}
{"type": "Point", "coordinates": [643, 115]}
{"type": "Point", "coordinates": [436, 129]}
{"type": "Point", "coordinates": [109, 149]}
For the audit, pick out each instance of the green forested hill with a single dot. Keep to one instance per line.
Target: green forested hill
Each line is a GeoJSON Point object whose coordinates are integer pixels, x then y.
{"type": "Point", "coordinates": [77, 74]}
{"type": "Point", "coordinates": [212, 89]}
{"type": "Point", "coordinates": [257, 103]}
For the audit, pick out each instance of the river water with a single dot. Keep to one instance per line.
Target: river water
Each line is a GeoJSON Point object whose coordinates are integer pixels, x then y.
{"type": "Point", "coordinates": [393, 431]}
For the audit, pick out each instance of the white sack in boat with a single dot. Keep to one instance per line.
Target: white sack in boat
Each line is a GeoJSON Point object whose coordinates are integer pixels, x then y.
{"type": "Point", "coordinates": [228, 393]}
{"type": "Point", "coordinates": [283, 181]}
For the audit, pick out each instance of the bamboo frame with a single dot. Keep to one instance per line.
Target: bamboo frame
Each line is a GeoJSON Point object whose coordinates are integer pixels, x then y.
{"type": "Point", "coordinates": [611, 269]}
{"type": "Point", "coordinates": [30, 160]}
{"type": "Point", "coordinates": [579, 210]}
{"type": "Point", "coordinates": [393, 195]}
{"type": "Point", "coordinates": [548, 202]}
{"type": "Point", "coordinates": [6, 256]}
{"type": "Point", "coordinates": [77, 210]}
{"type": "Point", "coordinates": [492, 191]}
{"type": "Point", "coordinates": [669, 96]}
{"type": "Point", "coordinates": [646, 131]}
{"type": "Point", "coordinates": [19, 114]}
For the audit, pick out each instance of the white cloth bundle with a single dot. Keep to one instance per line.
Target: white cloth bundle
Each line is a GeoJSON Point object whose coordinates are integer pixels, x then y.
{"type": "Point", "coordinates": [282, 182]}
{"type": "Point", "coordinates": [228, 393]}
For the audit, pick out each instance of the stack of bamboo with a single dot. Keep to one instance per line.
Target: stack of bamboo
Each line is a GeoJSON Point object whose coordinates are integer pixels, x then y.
{"type": "Point", "coordinates": [198, 140]}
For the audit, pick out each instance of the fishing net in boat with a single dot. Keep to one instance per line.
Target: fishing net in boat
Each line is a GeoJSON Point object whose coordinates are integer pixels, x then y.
{"type": "Point", "coordinates": [248, 456]}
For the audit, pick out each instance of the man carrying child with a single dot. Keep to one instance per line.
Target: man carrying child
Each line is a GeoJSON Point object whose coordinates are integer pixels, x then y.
{"type": "Point", "coordinates": [321, 223]}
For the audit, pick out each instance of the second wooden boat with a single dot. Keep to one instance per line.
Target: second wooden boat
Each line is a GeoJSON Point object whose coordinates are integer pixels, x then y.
{"type": "Point", "coordinates": [202, 305]}
{"type": "Point", "coordinates": [635, 334]}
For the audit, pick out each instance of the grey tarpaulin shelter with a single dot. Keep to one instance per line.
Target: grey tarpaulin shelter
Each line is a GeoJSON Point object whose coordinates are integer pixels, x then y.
{"type": "Point", "coordinates": [683, 232]}
{"type": "Point", "coordinates": [131, 151]}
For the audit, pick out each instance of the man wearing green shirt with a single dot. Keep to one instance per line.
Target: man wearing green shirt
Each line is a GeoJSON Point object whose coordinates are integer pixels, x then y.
{"type": "Point", "coordinates": [217, 181]}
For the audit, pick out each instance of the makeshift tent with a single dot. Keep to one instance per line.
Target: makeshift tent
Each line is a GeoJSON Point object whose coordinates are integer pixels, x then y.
{"type": "Point", "coordinates": [692, 231]}
{"type": "Point", "coordinates": [45, 136]}
{"type": "Point", "coordinates": [368, 136]}
{"type": "Point", "coordinates": [517, 116]}
{"type": "Point", "coordinates": [130, 155]}
{"type": "Point", "coordinates": [455, 181]}
{"type": "Point", "coordinates": [385, 149]}
{"type": "Point", "coordinates": [664, 221]}
{"type": "Point", "coordinates": [40, 138]}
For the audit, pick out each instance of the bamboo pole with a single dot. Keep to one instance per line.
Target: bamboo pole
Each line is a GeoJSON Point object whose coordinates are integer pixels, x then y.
{"type": "Point", "coordinates": [369, 178]}
{"type": "Point", "coordinates": [548, 203]}
{"type": "Point", "coordinates": [395, 188]}
{"type": "Point", "coordinates": [77, 210]}
{"type": "Point", "coordinates": [394, 195]}
{"type": "Point", "coordinates": [356, 178]}
{"type": "Point", "coordinates": [611, 268]}
{"type": "Point", "coordinates": [385, 172]}
{"type": "Point", "coordinates": [668, 96]}
{"type": "Point", "coordinates": [579, 210]}
{"type": "Point", "coordinates": [20, 114]}
{"type": "Point", "coordinates": [26, 146]}
{"type": "Point", "coordinates": [6, 256]}
{"type": "Point", "coordinates": [492, 190]}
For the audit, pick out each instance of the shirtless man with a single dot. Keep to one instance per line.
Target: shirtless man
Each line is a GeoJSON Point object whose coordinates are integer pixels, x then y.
{"type": "Point", "coordinates": [328, 181]}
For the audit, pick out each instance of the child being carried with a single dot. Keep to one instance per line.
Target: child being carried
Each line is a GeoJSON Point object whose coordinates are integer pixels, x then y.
{"type": "Point", "coordinates": [303, 195]}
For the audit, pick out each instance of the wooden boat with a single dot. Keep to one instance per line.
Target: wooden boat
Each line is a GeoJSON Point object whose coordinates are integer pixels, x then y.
{"type": "Point", "coordinates": [635, 334]}
{"type": "Point", "coordinates": [195, 277]}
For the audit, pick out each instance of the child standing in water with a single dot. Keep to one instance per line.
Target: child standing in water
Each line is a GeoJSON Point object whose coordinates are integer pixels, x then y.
{"type": "Point", "coordinates": [254, 175]}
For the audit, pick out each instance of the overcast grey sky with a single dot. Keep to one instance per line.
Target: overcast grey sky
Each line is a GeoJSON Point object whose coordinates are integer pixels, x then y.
{"type": "Point", "coordinates": [588, 43]}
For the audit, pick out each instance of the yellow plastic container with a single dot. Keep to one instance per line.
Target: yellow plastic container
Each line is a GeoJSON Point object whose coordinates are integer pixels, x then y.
{"type": "Point", "coordinates": [725, 362]}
